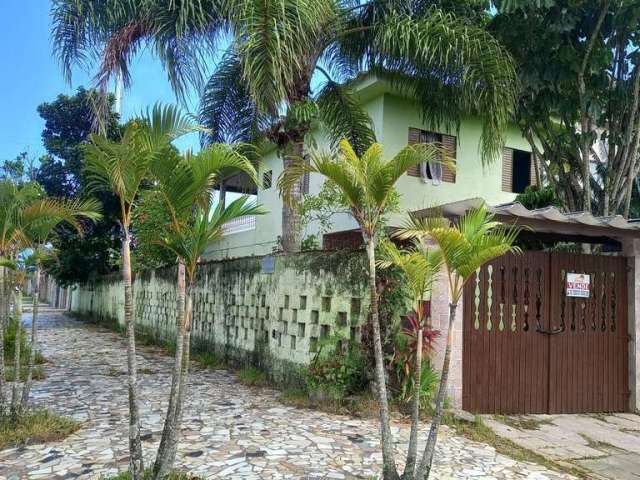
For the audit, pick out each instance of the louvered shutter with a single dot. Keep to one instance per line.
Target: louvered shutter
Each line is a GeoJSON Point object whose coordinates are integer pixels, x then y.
{"type": "Point", "coordinates": [507, 169]}
{"type": "Point", "coordinates": [448, 141]}
{"type": "Point", "coordinates": [415, 135]}
{"type": "Point", "coordinates": [449, 144]}
{"type": "Point", "coordinates": [534, 160]}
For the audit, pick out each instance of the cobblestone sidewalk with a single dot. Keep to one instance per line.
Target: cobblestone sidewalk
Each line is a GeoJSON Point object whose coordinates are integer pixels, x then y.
{"type": "Point", "coordinates": [230, 431]}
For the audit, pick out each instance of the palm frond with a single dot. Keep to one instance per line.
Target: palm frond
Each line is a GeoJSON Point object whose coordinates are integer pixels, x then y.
{"type": "Point", "coordinates": [344, 117]}
{"type": "Point", "coordinates": [226, 106]}
{"type": "Point", "coordinates": [466, 59]}
{"type": "Point", "coordinates": [473, 240]}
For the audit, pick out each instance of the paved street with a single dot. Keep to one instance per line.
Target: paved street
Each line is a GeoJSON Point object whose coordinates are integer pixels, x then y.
{"type": "Point", "coordinates": [230, 431]}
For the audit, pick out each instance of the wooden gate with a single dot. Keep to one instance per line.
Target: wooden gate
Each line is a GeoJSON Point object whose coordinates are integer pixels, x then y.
{"type": "Point", "coordinates": [530, 348]}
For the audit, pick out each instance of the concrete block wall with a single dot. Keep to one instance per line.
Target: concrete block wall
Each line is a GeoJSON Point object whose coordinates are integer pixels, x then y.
{"type": "Point", "coordinates": [268, 310]}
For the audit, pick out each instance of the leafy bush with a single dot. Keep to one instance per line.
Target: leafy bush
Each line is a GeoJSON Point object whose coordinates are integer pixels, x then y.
{"type": "Point", "coordinates": [404, 357]}
{"type": "Point", "coordinates": [336, 371]}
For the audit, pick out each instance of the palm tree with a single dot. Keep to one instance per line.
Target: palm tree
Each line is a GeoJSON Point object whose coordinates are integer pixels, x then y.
{"type": "Point", "coordinates": [39, 219]}
{"type": "Point", "coordinates": [186, 189]}
{"type": "Point", "coordinates": [121, 167]}
{"type": "Point", "coordinates": [262, 87]}
{"type": "Point", "coordinates": [419, 265]}
{"type": "Point", "coordinates": [465, 246]}
{"type": "Point", "coordinates": [367, 182]}
{"type": "Point", "coordinates": [13, 198]}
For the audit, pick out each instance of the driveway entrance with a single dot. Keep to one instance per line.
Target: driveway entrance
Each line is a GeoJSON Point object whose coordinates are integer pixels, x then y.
{"type": "Point", "coordinates": [602, 446]}
{"type": "Point", "coordinates": [546, 333]}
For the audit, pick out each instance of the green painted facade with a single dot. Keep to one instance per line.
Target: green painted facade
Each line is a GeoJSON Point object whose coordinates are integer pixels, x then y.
{"type": "Point", "coordinates": [392, 116]}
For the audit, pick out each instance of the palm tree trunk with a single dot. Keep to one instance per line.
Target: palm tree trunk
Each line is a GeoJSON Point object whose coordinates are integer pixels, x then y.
{"type": "Point", "coordinates": [389, 470]}
{"type": "Point", "coordinates": [412, 452]}
{"type": "Point", "coordinates": [186, 356]}
{"type": "Point", "coordinates": [290, 213]}
{"type": "Point", "coordinates": [163, 461]}
{"type": "Point", "coordinates": [427, 459]}
{"type": "Point", "coordinates": [15, 405]}
{"type": "Point", "coordinates": [33, 344]}
{"type": "Point", "coordinates": [4, 309]}
{"type": "Point", "coordinates": [136, 465]}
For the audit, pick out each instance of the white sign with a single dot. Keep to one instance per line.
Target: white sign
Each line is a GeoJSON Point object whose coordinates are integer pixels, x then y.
{"type": "Point", "coordinates": [578, 285]}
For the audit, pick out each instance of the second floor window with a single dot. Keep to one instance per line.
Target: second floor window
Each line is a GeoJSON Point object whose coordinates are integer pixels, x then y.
{"type": "Point", "coordinates": [433, 172]}
{"type": "Point", "coordinates": [518, 170]}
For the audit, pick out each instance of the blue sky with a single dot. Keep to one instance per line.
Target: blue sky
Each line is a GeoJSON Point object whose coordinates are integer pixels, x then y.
{"type": "Point", "coordinates": [31, 75]}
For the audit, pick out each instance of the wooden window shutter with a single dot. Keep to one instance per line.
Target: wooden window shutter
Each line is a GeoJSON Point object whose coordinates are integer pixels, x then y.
{"type": "Point", "coordinates": [534, 162]}
{"type": "Point", "coordinates": [507, 169]}
{"type": "Point", "coordinates": [449, 144]}
{"type": "Point", "coordinates": [415, 135]}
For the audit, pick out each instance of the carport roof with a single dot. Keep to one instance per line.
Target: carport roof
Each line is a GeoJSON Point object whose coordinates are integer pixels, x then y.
{"type": "Point", "coordinates": [548, 219]}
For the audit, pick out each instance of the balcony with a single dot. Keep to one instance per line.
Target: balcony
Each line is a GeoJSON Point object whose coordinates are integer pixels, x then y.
{"type": "Point", "coordinates": [243, 224]}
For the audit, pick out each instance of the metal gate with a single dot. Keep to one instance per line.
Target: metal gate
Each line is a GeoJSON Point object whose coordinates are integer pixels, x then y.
{"type": "Point", "coordinates": [528, 347]}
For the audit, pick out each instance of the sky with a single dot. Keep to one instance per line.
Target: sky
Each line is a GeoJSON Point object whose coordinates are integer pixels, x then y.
{"type": "Point", "coordinates": [31, 75]}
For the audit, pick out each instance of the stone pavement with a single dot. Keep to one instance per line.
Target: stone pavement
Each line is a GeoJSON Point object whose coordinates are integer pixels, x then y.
{"type": "Point", "coordinates": [229, 431]}
{"type": "Point", "coordinates": [606, 446]}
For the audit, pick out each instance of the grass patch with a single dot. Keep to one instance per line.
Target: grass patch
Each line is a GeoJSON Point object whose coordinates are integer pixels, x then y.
{"type": "Point", "coordinates": [363, 405]}
{"type": "Point", "coordinates": [206, 360]}
{"type": "Point", "coordinates": [597, 445]}
{"type": "Point", "coordinates": [35, 426]}
{"type": "Point", "coordinates": [148, 474]}
{"type": "Point", "coordinates": [252, 376]}
{"type": "Point", "coordinates": [37, 373]}
{"type": "Point", "coordinates": [481, 433]}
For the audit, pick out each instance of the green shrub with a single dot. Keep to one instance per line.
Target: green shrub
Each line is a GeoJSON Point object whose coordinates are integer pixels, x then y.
{"type": "Point", "coordinates": [336, 371]}
{"type": "Point", "coordinates": [35, 426]}
{"type": "Point", "coordinates": [252, 376]}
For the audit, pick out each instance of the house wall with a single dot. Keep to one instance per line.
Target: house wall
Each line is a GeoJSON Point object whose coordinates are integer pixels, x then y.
{"type": "Point", "coordinates": [392, 117]}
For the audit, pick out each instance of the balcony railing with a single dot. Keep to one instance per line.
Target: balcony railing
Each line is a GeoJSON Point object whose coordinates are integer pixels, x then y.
{"type": "Point", "coordinates": [243, 224]}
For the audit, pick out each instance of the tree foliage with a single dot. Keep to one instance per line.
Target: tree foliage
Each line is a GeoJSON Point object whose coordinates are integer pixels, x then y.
{"type": "Point", "coordinates": [68, 123]}
{"type": "Point", "coordinates": [262, 88]}
{"type": "Point", "coordinates": [580, 76]}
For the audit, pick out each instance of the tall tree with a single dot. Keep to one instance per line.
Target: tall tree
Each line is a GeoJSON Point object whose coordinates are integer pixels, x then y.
{"type": "Point", "coordinates": [262, 87]}
{"type": "Point", "coordinates": [121, 167]}
{"type": "Point", "coordinates": [69, 119]}
{"type": "Point", "coordinates": [367, 182]}
{"type": "Point", "coordinates": [580, 98]}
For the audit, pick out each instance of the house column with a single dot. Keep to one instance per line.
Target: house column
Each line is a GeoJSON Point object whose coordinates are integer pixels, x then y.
{"type": "Point", "coordinates": [439, 320]}
{"type": "Point", "coordinates": [631, 249]}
